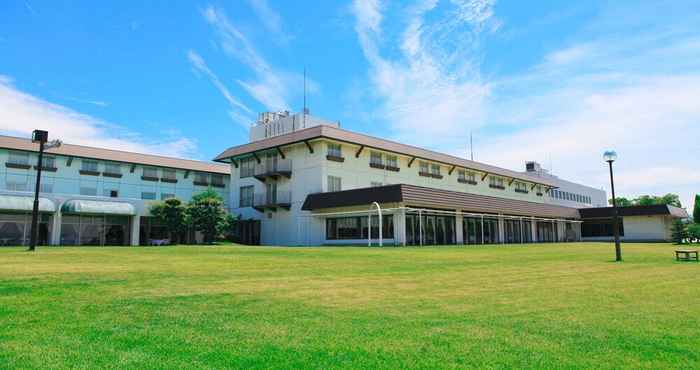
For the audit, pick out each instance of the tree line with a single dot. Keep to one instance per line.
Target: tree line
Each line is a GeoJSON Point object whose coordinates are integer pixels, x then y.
{"type": "Point", "coordinates": [688, 230]}
{"type": "Point", "coordinates": [648, 200]}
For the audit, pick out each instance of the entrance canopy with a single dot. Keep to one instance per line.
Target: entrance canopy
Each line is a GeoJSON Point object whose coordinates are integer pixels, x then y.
{"type": "Point", "coordinates": [25, 204]}
{"type": "Point", "coordinates": [96, 207]}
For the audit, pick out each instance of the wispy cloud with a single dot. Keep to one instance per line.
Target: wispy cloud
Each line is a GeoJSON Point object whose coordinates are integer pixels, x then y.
{"type": "Point", "coordinates": [98, 103]}
{"type": "Point", "coordinates": [269, 18]}
{"type": "Point", "coordinates": [21, 113]}
{"type": "Point", "coordinates": [237, 106]}
{"type": "Point", "coordinates": [434, 80]}
{"type": "Point", "coordinates": [270, 86]}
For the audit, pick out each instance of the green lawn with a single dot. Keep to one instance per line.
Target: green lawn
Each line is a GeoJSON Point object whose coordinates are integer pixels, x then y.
{"type": "Point", "coordinates": [534, 306]}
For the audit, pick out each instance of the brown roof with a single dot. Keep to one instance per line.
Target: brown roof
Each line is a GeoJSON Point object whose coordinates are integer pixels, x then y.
{"type": "Point", "coordinates": [334, 133]}
{"type": "Point", "coordinates": [650, 210]}
{"type": "Point", "coordinates": [16, 143]}
{"type": "Point", "coordinates": [418, 196]}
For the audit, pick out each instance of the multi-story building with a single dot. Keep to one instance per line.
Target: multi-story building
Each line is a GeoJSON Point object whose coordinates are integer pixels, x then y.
{"type": "Point", "coordinates": [313, 185]}
{"type": "Point", "coordinates": [94, 196]}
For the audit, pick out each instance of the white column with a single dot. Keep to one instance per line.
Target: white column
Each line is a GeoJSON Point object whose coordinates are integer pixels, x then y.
{"type": "Point", "coordinates": [135, 228]}
{"type": "Point", "coordinates": [533, 227]}
{"type": "Point", "coordinates": [56, 228]}
{"type": "Point", "coordinates": [459, 228]}
{"type": "Point", "coordinates": [400, 227]}
{"type": "Point", "coordinates": [501, 231]}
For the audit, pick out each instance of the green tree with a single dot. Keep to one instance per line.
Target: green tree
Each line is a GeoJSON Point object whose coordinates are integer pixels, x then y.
{"type": "Point", "coordinates": [696, 209]}
{"type": "Point", "coordinates": [694, 232]}
{"type": "Point", "coordinates": [679, 232]}
{"type": "Point", "coordinates": [173, 214]}
{"type": "Point", "coordinates": [207, 214]}
{"type": "Point", "coordinates": [621, 202]}
{"type": "Point", "coordinates": [671, 200]}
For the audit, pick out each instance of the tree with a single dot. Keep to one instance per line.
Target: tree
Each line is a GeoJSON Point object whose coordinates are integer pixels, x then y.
{"type": "Point", "coordinates": [696, 209]}
{"type": "Point", "coordinates": [227, 228]}
{"type": "Point", "coordinates": [671, 200]}
{"type": "Point", "coordinates": [207, 214]}
{"type": "Point", "coordinates": [679, 232]}
{"type": "Point", "coordinates": [173, 214]}
{"type": "Point", "coordinates": [621, 202]}
{"type": "Point", "coordinates": [694, 232]}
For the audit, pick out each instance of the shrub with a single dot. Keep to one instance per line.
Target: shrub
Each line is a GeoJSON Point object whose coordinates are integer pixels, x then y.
{"type": "Point", "coordinates": [679, 232]}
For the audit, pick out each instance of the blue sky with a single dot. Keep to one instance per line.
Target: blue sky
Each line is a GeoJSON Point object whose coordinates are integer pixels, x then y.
{"type": "Point", "coordinates": [552, 81]}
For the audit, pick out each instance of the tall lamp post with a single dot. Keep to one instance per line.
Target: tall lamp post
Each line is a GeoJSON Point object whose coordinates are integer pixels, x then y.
{"type": "Point", "coordinates": [610, 157]}
{"type": "Point", "coordinates": [41, 137]}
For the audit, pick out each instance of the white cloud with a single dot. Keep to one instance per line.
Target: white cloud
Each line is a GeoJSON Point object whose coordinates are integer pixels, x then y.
{"type": "Point", "coordinates": [271, 87]}
{"type": "Point", "coordinates": [434, 81]}
{"type": "Point", "coordinates": [200, 65]}
{"type": "Point", "coordinates": [21, 113]}
{"type": "Point", "coordinates": [267, 16]}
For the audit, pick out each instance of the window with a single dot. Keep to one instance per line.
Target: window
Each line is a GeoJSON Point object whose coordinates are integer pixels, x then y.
{"type": "Point", "coordinates": [247, 167]}
{"type": "Point", "coordinates": [169, 174]}
{"type": "Point", "coordinates": [46, 188]}
{"type": "Point", "coordinates": [217, 180]}
{"type": "Point", "coordinates": [462, 175]}
{"type": "Point", "coordinates": [88, 166]}
{"type": "Point", "coordinates": [521, 187]}
{"type": "Point", "coordinates": [110, 192]}
{"type": "Point", "coordinates": [539, 190]}
{"type": "Point", "coordinates": [334, 150]}
{"type": "Point", "coordinates": [375, 184]}
{"type": "Point", "coordinates": [148, 195]}
{"type": "Point", "coordinates": [435, 169]}
{"type": "Point", "coordinates": [496, 182]}
{"type": "Point", "coordinates": [19, 158]}
{"type": "Point", "coordinates": [47, 162]}
{"type": "Point", "coordinates": [423, 167]}
{"type": "Point", "coordinates": [113, 168]}
{"type": "Point", "coordinates": [598, 228]}
{"type": "Point", "coordinates": [150, 173]}
{"type": "Point", "coordinates": [344, 228]}
{"type": "Point", "coordinates": [334, 183]}
{"type": "Point", "coordinates": [164, 196]}
{"type": "Point", "coordinates": [88, 190]}
{"type": "Point", "coordinates": [16, 182]}
{"type": "Point", "coordinates": [201, 178]}
{"type": "Point", "coordinates": [392, 161]}
{"type": "Point", "coordinates": [375, 159]}
{"type": "Point", "coordinates": [471, 177]}
{"type": "Point", "coordinates": [246, 196]}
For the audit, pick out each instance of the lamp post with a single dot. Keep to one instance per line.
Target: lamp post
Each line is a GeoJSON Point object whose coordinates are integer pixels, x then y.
{"type": "Point", "coordinates": [41, 137]}
{"type": "Point", "coordinates": [610, 157]}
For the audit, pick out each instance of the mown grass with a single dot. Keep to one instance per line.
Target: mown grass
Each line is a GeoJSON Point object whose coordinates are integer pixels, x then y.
{"type": "Point", "coordinates": [534, 306]}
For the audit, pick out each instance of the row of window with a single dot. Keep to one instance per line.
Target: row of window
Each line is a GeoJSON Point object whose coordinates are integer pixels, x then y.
{"type": "Point", "coordinates": [565, 195]}
{"type": "Point", "coordinates": [353, 228]}
{"type": "Point", "coordinates": [92, 167]}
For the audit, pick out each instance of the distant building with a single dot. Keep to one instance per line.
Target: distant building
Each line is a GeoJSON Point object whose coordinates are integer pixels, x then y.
{"type": "Point", "coordinates": [94, 196]}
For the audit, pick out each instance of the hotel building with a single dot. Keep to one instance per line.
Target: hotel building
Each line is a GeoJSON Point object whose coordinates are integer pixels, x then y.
{"type": "Point", "coordinates": [309, 182]}
{"type": "Point", "coordinates": [94, 196]}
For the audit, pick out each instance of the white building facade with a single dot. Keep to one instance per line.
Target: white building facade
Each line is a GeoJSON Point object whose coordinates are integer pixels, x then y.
{"type": "Point", "coordinates": [94, 196]}
{"type": "Point", "coordinates": [280, 178]}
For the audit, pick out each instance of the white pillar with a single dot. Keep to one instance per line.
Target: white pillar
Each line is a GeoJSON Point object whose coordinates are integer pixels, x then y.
{"type": "Point", "coordinates": [459, 228]}
{"type": "Point", "coordinates": [400, 227]}
{"type": "Point", "coordinates": [501, 231]}
{"type": "Point", "coordinates": [56, 228]}
{"type": "Point", "coordinates": [135, 228]}
{"type": "Point", "coordinates": [533, 227]}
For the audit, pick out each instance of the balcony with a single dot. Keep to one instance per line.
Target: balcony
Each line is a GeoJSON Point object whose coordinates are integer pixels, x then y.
{"type": "Point", "coordinates": [272, 201]}
{"type": "Point", "coordinates": [273, 169]}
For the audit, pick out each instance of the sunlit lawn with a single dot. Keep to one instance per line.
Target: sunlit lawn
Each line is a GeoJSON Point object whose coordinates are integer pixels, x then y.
{"type": "Point", "coordinates": [535, 306]}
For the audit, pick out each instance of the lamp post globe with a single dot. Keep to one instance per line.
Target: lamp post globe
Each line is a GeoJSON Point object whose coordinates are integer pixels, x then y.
{"type": "Point", "coordinates": [610, 156]}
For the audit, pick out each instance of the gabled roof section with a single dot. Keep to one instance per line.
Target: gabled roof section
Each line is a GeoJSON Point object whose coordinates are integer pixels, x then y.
{"type": "Point", "coordinates": [651, 210]}
{"type": "Point", "coordinates": [419, 196]}
{"type": "Point", "coordinates": [16, 143]}
{"type": "Point", "coordinates": [337, 134]}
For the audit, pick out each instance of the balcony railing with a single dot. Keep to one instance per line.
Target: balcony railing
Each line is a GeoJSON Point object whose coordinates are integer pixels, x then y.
{"type": "Point", "coordinates": [272, 200]}
{"type": "Point", "coordinates": [273, 169]}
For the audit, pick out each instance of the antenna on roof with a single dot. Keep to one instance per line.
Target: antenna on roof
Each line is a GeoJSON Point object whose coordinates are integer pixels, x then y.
{"type": "Point", "coordinates": [471, 145]}
{"type": "Point", "coordinates": [306, 110]}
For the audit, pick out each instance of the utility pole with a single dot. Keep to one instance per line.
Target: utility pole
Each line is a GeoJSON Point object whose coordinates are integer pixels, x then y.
{"type": "Point", "coordinates": [41, 137]}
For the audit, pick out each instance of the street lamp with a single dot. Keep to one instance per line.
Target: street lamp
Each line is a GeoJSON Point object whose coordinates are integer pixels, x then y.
{"type": "Point", "coordinates": [41, 137]}
{"type": "Point", "coordinates": [610, 156]}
